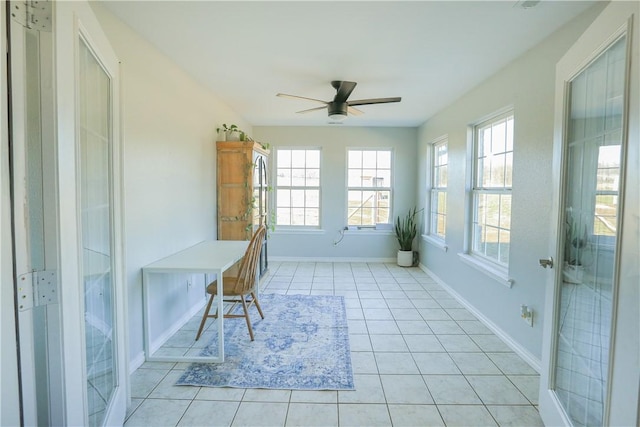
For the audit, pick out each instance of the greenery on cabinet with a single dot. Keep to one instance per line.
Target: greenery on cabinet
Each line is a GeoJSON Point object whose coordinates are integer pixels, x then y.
{"type": "Point", "coordinates": [230, 130]}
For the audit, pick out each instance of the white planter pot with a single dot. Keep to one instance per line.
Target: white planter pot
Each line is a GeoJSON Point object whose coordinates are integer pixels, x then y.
{"type": "Point", "coordinates": [405, 258]}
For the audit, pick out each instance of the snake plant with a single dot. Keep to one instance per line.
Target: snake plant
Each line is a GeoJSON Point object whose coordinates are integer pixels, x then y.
{"type": "Point", "coordinates": [406, 229]}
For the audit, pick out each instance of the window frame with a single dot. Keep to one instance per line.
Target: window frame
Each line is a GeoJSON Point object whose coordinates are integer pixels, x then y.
{"type": "Point", "coordinates": [388, 188]}
{"type": "Point", "coordinates": [490, 265]}
{"type": "Point", "coordinates": [276, 187]}
{"type": "Point", "coordinates": [434, 189]}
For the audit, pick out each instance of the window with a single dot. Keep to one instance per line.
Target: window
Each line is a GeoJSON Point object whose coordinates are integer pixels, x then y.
{"type": "Point", "coordinates": [606, 193]}
{"type": "Point", "coordinates": [368, 187]}
{"type": "Point", "coordinates": [298, 187]}
{"type": "Point", "coordinates": [491, 189]}
{"type": "Point", "coordinates": [438, 197]}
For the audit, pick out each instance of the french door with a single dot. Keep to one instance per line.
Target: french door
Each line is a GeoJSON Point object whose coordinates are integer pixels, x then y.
{"type": "Point", "coordinates": [91, 228]}
{"type": "Point", "coordinates": [590, 356]}
{"type": "Point", "coordinates": [67, 216]}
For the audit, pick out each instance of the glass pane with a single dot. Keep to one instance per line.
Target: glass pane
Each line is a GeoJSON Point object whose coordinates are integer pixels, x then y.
{"type": "Point", "coordinates": [313, 178]}
{"type": "Point", "coordinates": [298, 158]}
{"type": "Point", "coordinates": [442, 176]}
{"type": "Point", "coordinates": [509, 142]}
{"type": "Point", "coordinates": [355, 178]}
{"type": "Point", "coordinates": [590, 215]}
{"type": "Point", "coordinates": [498, 137]}
{"type": "Point", "coordinates": [313, 159]}
{"type": "Point", "coordinates": [505, 212]}
{"type": "Point", "coordinates": [354, 198]}
{"type": "Point", "coordinates": [297, 177]}
{"type": "Point", "coordinates": [312, 198]}
{"type": "Point", "coordinates": [384, 178]}
{"type": "Point", "coordinates": [497, 170]}
{"type": "Point", "coordinates": [283, 198]}
{"type": "Point", "coordinates": [369, 178]}
{"type": "Point", "coordinates": [297, 216]}
{"type": "Point", "coordinates": [355, 159]}
{"type": "Point", "coordinates": [284, 158]}
{"type": "Point", "coordinates": [96, 228]}
{"type": "Point", "coordinates": [369, 159]}
{"type": "Point", "coordinates": [284, 177]}
{"type": "Point", "coordinates": [283, 216]}
{"type": "Point", "coordinates": [311, 217]}
{"type": "Point", "coordinates": [384, 159]}
{"type": "Point", "coordinates": [297, 198]}
{"type": "Point", "coordinates": [382, 216]}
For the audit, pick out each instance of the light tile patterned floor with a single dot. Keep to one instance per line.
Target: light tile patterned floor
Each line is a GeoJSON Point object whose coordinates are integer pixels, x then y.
{"type": "Point", "coordinates": [419, 359]}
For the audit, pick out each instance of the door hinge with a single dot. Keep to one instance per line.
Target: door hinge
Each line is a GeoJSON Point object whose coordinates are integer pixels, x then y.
{"type": "Point", "coordinates": [32, 14]}
{"type": "Point", "coordinates": [36, 289]}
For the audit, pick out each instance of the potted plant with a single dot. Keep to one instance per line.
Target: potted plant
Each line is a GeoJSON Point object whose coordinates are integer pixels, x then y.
{"type": "Point", "coordinates": [406, 230]}
{"type": "Point", "coordinates": [229, 133]}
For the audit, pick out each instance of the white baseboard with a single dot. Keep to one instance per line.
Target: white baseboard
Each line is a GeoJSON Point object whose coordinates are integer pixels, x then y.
{"type": "Point", "coordinates": [136, 362]}
{"type": "Point", "coordinates": [139, 359]}
{"type": "Point", "coordinates": [328, 259]}
{"type": "Point", "coordinates": [525, 354]}
{"type": "Point", "coordinates": [158, 342]}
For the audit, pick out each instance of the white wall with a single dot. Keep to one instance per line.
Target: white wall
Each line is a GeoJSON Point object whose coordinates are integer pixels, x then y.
{"type": "Point", "coordinates": [169, 125]}
{"type": "Point", "coordinates": [527, 84]}
{"type": "Point", "coordinates": [333, 143]}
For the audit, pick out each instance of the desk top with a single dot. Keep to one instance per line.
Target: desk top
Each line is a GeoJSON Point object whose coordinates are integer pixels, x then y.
{"type": "Point", "coordinates": [205, 257]}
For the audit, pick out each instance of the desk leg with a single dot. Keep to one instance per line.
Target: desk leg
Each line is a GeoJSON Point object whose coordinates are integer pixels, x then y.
{"type": "Point", "coordinates": [145, 310]}
{"type": "Point", "coordinates": [220, 317]}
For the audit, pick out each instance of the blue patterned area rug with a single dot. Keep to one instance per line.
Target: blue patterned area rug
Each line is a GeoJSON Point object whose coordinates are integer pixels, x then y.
{"type": "Point", "coordinates": [301, 344]}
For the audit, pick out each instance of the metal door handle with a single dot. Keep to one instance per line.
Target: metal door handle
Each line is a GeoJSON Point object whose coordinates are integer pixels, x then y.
{"type": "Point", "coordinates": [548, 262]}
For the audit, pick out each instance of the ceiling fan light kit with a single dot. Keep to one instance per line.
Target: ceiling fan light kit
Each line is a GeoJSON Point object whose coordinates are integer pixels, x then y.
{"type": "Point", "coordinates": [337, 110]}
{"type": "Point", "coordinates": [340, 107]}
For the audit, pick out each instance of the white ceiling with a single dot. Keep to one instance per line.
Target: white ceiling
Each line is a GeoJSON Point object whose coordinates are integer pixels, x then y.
{"type": "Point", "coordinates": [427, 52]}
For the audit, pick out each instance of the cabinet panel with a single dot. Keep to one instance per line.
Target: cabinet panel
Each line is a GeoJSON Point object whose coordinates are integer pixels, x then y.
{"type": "Point", "coordinates": [242, 191]}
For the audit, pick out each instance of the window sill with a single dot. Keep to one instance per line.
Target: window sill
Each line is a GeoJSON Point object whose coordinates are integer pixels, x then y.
{"type": "Point", "coordinates": [299, 231]}
{"type": "Point", "coordinates": [368, 231]}
{"type": "Point", "coordinates": [438, 243]}
{"type": "Point", "coordinates": [496, 273]}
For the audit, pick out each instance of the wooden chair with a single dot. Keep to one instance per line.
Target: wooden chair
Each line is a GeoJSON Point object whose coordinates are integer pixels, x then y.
{"type": "Point", "coordinates": [239, 288]}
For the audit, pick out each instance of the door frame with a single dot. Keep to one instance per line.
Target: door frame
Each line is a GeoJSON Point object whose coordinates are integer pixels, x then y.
{"type": "Point", "coordinates": [73, 20]}
{"type": "Point", "coordinates": [11, 403]}
{"type": "Point", "coordinates": [622, 407]}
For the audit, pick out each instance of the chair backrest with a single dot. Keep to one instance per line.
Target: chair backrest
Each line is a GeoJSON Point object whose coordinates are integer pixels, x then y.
{"type": "Point", "coordinates": [246, 278]}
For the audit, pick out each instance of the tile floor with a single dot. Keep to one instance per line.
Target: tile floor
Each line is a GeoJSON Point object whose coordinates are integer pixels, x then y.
{"type": "Point", "coordinates": [419, 359]}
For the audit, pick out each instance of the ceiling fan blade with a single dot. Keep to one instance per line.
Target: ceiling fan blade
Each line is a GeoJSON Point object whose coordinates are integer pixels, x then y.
{"type": "Point", "coordinates": [284, 95]}
{"type": "Point", "coordinates": [354, 111]}
{"type": "Point", "coordinates": [374, 101]}
{"type": "Point", "coordinates": [344, 89]}
{"type": "Point", "coordinates": [312, 109]}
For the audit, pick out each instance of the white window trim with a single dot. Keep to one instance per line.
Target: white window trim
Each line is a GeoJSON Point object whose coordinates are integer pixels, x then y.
{"type": "Point", "coordinates": [485, 265]}
{"type": "Point", "coordinates": [292, 229]}
{"type": "Point", "coordinates": [369, 229]}
{"type": "Point", "coordinates": [429, 235]}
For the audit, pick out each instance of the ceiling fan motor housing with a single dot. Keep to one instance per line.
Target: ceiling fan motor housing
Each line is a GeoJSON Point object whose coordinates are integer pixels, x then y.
{"type": "Point", "coordinates": [337, 108]}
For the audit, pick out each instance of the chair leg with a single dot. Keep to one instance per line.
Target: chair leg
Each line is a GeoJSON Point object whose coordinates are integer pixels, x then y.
{"type": "Point", "coordinates": [246, 316]}
{"type": "Point", "coordinates": [204, 317]}
{"type": "Point", "coordinates": [255, 301]}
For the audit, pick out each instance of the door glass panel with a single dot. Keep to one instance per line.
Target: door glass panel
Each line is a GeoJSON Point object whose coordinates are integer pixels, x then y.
{"type": "Point", "coordinates": [97, 252]}
{"type": "Point", "coordinates": [594, 141]}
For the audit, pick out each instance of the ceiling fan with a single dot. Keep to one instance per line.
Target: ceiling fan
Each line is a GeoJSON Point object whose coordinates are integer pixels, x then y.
{"type": "Point", "coordinates": [340, 106]}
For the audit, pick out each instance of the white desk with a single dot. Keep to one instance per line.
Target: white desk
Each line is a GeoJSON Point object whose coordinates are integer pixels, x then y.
{"type": "Point", "coordinates": [213, 257]}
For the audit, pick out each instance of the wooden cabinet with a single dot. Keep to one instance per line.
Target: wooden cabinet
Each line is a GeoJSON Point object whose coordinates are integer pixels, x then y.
{"type": "Point", "coordinates": [242, 186]}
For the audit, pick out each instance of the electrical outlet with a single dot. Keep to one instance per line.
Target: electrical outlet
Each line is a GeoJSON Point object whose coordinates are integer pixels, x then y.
{"type": "Point", "coordinates": [189, 284]}
{"type": "Point", "coordinates": [527, 314]}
